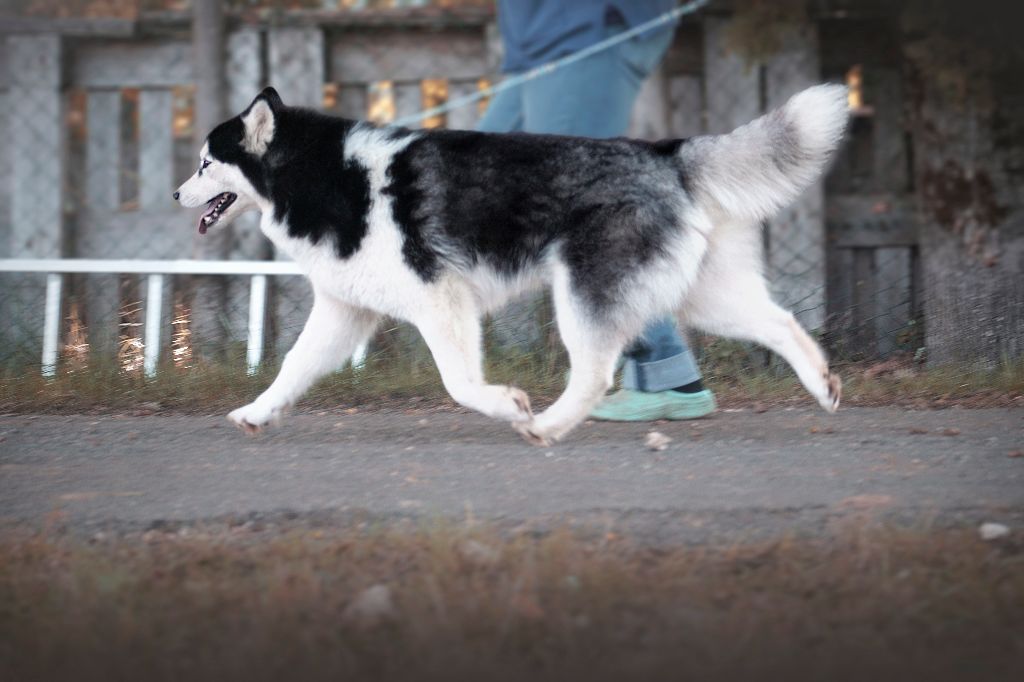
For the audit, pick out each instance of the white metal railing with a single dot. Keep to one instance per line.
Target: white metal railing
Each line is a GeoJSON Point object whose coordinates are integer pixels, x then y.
{"type": "Point", "coordinates": [56, 268]}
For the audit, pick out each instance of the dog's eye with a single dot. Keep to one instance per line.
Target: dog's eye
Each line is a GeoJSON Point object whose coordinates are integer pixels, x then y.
{"type": "Point", "coordinates": [206, 162]}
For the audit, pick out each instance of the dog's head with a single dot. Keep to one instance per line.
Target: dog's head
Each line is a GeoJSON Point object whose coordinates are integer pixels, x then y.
{"type": "Point", "coordinates": [231, 178]}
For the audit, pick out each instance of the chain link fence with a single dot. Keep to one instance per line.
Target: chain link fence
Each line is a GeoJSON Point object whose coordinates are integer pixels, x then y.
{"type": "Point", "coordinates": [101, 131]}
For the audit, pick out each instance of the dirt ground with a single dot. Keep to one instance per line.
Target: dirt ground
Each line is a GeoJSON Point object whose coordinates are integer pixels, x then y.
{"type": "Point", "coordinates": [740, 474]}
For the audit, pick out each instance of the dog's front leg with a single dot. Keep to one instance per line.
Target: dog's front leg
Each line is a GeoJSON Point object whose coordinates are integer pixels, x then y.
{"type": "Point", "coordinates": [332, 333]}
{"type": "Point", "coordinates": [451, 329]}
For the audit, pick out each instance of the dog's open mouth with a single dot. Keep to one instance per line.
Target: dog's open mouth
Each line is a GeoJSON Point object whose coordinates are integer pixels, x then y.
{"type": "Point", "coordinates": [215, 207]}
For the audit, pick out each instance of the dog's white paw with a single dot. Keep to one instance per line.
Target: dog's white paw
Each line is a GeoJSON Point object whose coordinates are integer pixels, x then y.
{"type": "Point", "coordinates": [507, 403]}
{"type": "Point", "coordinates": [831, 392]}
{"type": "Point", "coordinates": [253, 418]}
{"type": "Point", "coordinates": [521, 401]}
{"type": "Point", "coordinates": [533, 435]}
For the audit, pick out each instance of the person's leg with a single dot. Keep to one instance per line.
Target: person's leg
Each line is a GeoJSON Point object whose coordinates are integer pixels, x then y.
{"type": "Point", "coordinates": [504, 113]}
{"type": "Point", "coordinates": [659, 360]}
{"type": "Point", "coordinates": [593, 97]}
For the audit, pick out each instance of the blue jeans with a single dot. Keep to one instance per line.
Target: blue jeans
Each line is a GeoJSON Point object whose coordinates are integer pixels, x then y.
{"type": "Point", "coordinates": [594, 98]}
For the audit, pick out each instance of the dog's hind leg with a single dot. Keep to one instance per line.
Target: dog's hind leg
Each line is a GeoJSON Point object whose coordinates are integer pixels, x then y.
{"type": "Point", "coordinates": [450, 325]}
{"type": "Point", "coordinates": [593, 354]}
{"type": "Point", "coordinates": [739, 306]}
{"type": "Point", "coordinates": [332, 333]}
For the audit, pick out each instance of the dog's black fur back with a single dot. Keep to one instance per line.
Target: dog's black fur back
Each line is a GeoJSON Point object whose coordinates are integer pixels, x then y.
{"type": "Point", "coordinates": [505, 199]}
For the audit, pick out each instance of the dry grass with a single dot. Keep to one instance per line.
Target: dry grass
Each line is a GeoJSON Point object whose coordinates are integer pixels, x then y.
{"type": "Point", "coordinates": [897, 383]}
{"type": "Point", "coordinates": [242, 603]}
{"type": "Point", "coordinates": [386, 381]}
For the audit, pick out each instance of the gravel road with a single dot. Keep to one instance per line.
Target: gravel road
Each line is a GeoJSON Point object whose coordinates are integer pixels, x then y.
{"type": "Point", "coordinates": [740, 473]}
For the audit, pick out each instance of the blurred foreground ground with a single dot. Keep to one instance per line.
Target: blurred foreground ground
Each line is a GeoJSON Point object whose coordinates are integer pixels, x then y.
{"type": "Point", "coordinates": [434, 545]}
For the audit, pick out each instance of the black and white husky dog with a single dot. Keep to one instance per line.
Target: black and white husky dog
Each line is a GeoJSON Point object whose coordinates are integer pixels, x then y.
{"type": "Point", "coordinates": [441, 227]}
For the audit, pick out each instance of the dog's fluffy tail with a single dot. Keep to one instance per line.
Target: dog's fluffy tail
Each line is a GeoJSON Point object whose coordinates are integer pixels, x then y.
{"type": "Point", "coordinates": [759, 168]}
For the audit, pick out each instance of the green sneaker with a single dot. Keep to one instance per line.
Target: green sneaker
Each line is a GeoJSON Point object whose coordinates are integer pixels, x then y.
{"type": "Point", "coordinates": [638, 406]}
{"type": "Point", "coordinates": [630, 406]}
{"type": "Point", "coordinates": [689, 405]}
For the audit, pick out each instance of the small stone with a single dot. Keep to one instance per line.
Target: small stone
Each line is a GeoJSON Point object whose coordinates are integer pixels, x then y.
{"type": "Point", "coordinates": [370, 607]}
{"type": "Point", "coordinates": [993, 531]}
{"type": "Point", "coordinates": [657, 441]}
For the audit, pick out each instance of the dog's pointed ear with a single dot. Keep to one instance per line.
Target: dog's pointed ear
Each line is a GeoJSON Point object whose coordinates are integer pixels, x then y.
{"type": "Point", "coordinates": [259, 121]}
{"type": "Point", "coordinates": [270, 94]}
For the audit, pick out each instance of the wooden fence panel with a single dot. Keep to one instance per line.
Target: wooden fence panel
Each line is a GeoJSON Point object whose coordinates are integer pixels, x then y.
{"type": "Point", "coordinates": [156, 159]}
{"type": "Point", "coordinates": [893, 297]}
{"type": "Point", "coordinates": [408, 100]}
{"type": "Point", "coordinates": [102, 152]}
{"type": "Point", "coordinates": [36, 141]}
{"type": "Point", "coordinates": [34, 138]}
{"type": "Point", "coordinates": [650, 119]}
{"type": "Point", "coordinates": [296, 64]}
{"type": "Point", "coordinates": [406, 55]}
{"type": "Point", "coordinates": [733, 87]}
{"type": "Point", "coordinates": [686, 105]}
{"type": "Point", "coordinates": [5, 168]}
{"type": "Point", "coordinates": [466, 117]}
{"type": "Point", "coordinates": [156, 182]}
{"type": "Point", "coordinates": [353, 101]}
{"type": "Point", "coordinates": [5, 179]}
{"type": "Point", "coordinates": [102, 200]}
{"type": "Point", "coordinates": [873, 286]}
{"type": "Point", "coordinates": [132, 63]}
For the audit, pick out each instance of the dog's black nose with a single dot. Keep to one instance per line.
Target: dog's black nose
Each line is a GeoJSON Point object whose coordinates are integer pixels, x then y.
{"type": "Point", "coordinates": [176, 195]}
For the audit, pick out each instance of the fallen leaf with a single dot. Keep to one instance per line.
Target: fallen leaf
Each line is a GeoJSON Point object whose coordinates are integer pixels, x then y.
{"type": "Point", "coordinates": [656, 440]}
{"type": "Point", "coordinates": [1015, 453]}
{"type": "Point", "coordinates": [916, 430]}
{"type": "Point", "coordinates": [950, 432]}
